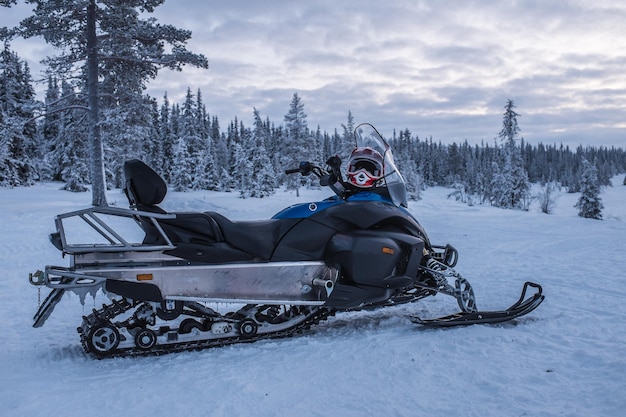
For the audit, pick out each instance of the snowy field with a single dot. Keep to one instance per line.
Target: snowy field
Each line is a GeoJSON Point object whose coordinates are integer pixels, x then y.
{"type": "Point", "coordinates": [567, 358]}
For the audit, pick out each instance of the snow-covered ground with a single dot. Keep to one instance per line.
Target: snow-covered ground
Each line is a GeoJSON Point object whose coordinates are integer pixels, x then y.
{"type": "Point", "coordinates": [567, 358]}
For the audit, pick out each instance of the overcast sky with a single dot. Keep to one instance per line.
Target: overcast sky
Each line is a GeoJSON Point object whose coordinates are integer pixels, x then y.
{"type": "Point", "coordinates": [439, 68]}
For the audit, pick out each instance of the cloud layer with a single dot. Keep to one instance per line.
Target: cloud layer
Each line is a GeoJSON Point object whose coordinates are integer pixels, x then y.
{"type": "Point", "coordinates": [439, 68]}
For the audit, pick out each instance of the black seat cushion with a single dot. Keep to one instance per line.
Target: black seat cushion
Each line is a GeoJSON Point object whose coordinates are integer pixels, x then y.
{"type": "Point", "coordinates": [256, 237]}
{"type": "Point", "coordinates": [207, 237]}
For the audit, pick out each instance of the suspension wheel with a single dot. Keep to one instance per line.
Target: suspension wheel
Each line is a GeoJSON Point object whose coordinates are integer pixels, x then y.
{"type": "Point", "coordinates": [145, 339]}
{"type": "Point", "coordinates": [248, 328]}
{"type": "Point", "coordinates": [188, 325]}
{"type": "Point", "coordinates": [103, 339]}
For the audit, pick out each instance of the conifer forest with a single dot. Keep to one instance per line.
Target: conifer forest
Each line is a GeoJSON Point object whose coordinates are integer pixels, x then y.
{"type": "Point", "coordinates": [60, 137]}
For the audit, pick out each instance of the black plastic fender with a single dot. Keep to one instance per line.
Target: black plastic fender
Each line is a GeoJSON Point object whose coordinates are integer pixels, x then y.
{"type": "Point", "coordinates": [134, 290]}
{"type": "Point", "coordinates": [376, 257]}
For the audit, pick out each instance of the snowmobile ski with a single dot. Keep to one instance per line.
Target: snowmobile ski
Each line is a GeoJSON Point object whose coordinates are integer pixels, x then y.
{"type": "Point", "coordinates": [522, 307]}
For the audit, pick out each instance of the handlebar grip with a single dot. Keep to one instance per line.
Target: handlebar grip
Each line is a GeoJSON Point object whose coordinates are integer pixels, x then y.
{"type": "Point", "coordinates": [292, 171]}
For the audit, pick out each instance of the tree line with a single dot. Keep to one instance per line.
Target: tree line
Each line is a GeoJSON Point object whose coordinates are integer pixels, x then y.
{"type": "Point", "coordinates": [192, 151]}
{"type": "Point", "coordinates": [95, 104]}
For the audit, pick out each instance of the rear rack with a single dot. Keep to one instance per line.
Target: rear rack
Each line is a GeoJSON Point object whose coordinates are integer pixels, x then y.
{"type": "Point", "coordinates": [113, 226]}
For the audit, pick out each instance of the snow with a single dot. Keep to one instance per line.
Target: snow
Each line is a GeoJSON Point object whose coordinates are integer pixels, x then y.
{"type": "Point", "coordinates": [566, 358]}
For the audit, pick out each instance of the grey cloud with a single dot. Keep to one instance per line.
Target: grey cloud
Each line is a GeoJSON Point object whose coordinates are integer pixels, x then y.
{"type": "Point", "coordinates": [439, 69]}
{"type": "Point", "coordinates": [443, 69]}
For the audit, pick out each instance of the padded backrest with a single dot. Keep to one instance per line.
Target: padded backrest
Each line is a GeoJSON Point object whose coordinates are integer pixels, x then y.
{"type": "Point", "coordinates": [144, 187]}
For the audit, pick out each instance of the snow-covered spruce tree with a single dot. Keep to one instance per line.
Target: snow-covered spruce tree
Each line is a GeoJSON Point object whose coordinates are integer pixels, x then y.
{"type": "Point", "coordinates": [126, 133]}
{"type": "Point", "coordinates": [205, 174]}
{"type": "Point", "coordinates": [220, 154]}
{"type": "Point", "coordinates": [50, 127]}
{"type": "Point", "coordinates": [18, 136]}
{"type": "Point", "coordinates": [403, 155]}
{"type": "Point", "coordinates": [455, 164]}
{"type": "Point", "coordinates": [316, 152]}
{"type": "Point", "coordinates": [109, 46]}
{"type": "Point", "coordinates": [74, 173]}
{"type": "Point", "coordinates": [497, 190]}
{"type": "Point", "coordinates": [181, 179]}
{"type": "Point", "coordinates": [425, 161]}
{"type": "Point", "coordinates": [153, 146]}
{"type": "Point", "coordinates": [295, 146]}
{"type": "Point", "coordinates": [231, 167]}
{"type": "Point", "coordinates": [263, 172]}
{"type": "Point", "coordinates": [65, 137]}
{"type": "Point", "coordinates": [190, 132]}
{"type": "Point", "coordinates": [163, 165]}
{"type": "Point", "coordinates": [471, 176]}
{"type": "Point", "coordinates": [241, 156]}
{"type": "Point", "coordinates": [345, 146]}
{"type": "Point", "coordinates": [589, 204]}
{"type": "Point", "coordinates": [513, 187]}
{"type": "Point", "coordinates": [327, 148]}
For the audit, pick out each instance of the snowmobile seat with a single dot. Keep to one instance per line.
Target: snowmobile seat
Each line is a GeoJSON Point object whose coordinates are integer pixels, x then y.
{"type": "Point", "coordinates": [258, 237]}
{"type": "Point", "coordinates": [208, 237]}
{"type": "Point", "coordinates": [211, 237]}
{"type": "Point", "coordinates": [144, 187]}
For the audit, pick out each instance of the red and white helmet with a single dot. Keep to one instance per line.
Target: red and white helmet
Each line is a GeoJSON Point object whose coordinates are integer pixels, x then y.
{"type": "Point", "coordinates": [365, 167]}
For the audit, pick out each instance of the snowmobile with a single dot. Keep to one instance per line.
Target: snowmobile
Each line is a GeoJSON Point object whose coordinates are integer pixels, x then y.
{"type": "Point", "coordinates": [191, 280]}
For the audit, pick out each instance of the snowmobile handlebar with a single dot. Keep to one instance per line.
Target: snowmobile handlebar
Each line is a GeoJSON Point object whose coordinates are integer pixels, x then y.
{"type": "Point", "coordinates": [306, 168]}
{"type": "Point", "coordinates": [332, 178]}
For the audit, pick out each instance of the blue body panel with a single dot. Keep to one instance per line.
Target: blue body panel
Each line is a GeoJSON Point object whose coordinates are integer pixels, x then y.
{"type": "Point", "coordinates": [304, 210]}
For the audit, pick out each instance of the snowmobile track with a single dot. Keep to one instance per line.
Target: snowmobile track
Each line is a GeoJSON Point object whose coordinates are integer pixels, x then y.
{"type": "Point", "coordinates": [102, 317]}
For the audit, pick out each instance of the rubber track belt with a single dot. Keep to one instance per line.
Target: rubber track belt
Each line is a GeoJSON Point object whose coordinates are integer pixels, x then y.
{"type": "Point", "coordinates": [117, 307]}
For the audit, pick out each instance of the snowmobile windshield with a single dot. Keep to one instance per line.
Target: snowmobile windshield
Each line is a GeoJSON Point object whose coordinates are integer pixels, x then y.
{"type": "Point", "coordinates": [366, 136]}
